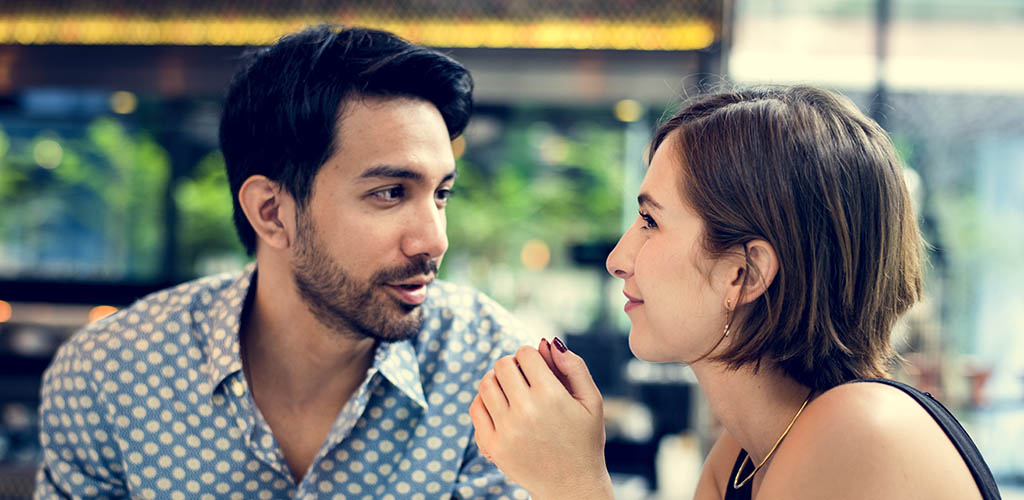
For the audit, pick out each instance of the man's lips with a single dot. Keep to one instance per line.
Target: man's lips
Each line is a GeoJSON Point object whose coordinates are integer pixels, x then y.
{"type": "Point", "coordinates": [411, 291]}
{"type": "Point", "coordinates": [632, 303]}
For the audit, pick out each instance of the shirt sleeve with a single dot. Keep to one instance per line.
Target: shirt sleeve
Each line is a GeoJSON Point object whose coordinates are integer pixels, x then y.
{"type": "Point", "coordinates": [481, 479]}
{"type": "Point", "coordinates": [81, 457]}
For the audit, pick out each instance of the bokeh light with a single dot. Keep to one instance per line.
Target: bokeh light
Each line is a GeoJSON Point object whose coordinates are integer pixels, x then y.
{"type": "Point", "coordinates": [628, 110]}
{"type": "Point", "coordinates": [535, 255]}
{"type": "Point", "coordinates": [123, 102]}
{"type": "Point", "coordinates": [48, 153]}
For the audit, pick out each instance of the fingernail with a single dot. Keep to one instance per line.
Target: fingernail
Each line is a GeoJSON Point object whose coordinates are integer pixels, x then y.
{"type": "Point", "coordinates": [543, 340]}
{"type": "Point", "coordinates": [561, 346]}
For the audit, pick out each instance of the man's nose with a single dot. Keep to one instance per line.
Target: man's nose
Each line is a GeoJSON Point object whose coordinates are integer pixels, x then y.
{"type": "Point", "coordinates": [427, 234]}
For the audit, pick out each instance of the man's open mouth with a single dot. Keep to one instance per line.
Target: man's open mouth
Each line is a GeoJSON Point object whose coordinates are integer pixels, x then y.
{"type": "Point", "coordinates": [412, 292]}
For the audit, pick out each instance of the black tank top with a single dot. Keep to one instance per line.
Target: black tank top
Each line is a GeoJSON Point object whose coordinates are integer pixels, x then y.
{"type": "Point", "coordinates": [945, 419]}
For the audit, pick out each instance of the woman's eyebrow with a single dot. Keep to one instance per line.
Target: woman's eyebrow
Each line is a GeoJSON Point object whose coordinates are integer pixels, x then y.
{"type": "Point", "coordinates": [645, 199]}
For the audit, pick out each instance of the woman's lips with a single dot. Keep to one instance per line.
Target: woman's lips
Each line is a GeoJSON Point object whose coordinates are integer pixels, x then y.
{"type": "Point", "coordinates": [633, 302]}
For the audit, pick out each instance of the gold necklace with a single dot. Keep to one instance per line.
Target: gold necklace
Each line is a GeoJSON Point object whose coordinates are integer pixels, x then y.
{"type": "Point", "coordinates": [736, 483]}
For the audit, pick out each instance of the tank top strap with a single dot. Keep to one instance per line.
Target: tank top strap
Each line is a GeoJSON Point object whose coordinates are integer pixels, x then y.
{"type": "Point", "coordinates": [956, 433]}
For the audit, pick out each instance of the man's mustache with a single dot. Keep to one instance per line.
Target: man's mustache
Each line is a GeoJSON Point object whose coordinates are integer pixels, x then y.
{"type": "Point", "coordinates": [413, 269]}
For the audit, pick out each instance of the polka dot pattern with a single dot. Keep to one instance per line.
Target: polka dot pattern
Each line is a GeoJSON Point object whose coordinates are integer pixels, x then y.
{"type": "Point", "coordinates": [151, 402]}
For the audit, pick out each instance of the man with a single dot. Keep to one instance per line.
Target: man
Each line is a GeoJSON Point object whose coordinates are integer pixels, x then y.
{"type": "Point", "coordinates": [333, 366]}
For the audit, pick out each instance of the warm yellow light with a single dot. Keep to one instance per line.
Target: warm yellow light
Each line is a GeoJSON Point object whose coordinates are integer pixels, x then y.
{"type": "Point", "coordinates": [535, 255]}
{"type": "Point", "coordinates": [554, 149]}
{"type": "Point", "coordinates": [692, 34]}
{"type": "Point", "coordinates": [459, 146]}
{"type": "Point", "coordinates": [628, 110]}
{"type": "Point", "coordinates": [99, 312]}
{"type": "Point", "coordinates": [123, 102]}
{"type": "Point", "coordinates": [48, 153]}
{"type": "Point", "coordinates": [5, 311]}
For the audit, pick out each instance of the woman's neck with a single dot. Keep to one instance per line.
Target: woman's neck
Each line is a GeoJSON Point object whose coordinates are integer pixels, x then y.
{"type": "Point", "coordinates": [755, 408]}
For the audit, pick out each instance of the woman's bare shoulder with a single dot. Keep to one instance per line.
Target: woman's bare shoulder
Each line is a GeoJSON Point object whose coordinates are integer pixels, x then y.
{"type": "Point", "coordinates": [867, 440]}
{"type": "Point", "coordinates": [715, 474]}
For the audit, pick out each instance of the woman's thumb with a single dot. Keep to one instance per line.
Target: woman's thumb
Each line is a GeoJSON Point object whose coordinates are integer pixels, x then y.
{"type": "Point", "coordinates": [576, 376]}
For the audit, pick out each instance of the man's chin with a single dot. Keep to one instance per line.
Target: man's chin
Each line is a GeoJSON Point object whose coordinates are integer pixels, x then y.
{"type": "Point", "coordinates": [395, 332]}
{"type": "Point", "coordinates": [401, 321]}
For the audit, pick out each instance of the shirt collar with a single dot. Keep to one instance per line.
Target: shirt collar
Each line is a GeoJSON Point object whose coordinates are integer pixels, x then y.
{"type": "Point", "coordinates": [221, 326]}
{"type": "Point", "coordinates": [396, 361]}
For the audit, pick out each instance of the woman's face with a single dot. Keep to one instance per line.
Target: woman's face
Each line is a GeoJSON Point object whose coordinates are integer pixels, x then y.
{"type": "Point", "coordinates": [676, 310]}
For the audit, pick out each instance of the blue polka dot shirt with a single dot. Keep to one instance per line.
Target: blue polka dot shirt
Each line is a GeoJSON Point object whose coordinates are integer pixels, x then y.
{"type": "Point", "coordinates": [152, 402]}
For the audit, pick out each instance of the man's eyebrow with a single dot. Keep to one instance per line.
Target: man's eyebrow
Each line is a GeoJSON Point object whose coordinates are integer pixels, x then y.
{"type": "Point", "coordinates": [645, 199]}
{"type": "Point", "coordinates": [392, 172]}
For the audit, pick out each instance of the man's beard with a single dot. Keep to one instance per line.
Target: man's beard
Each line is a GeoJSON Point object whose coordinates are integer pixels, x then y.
{"type": "Point", "coordinates": [349, 307]}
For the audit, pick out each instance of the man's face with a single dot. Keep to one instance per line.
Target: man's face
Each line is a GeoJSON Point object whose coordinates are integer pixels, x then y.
{"type": "Point", "coordinates": [373, 233]}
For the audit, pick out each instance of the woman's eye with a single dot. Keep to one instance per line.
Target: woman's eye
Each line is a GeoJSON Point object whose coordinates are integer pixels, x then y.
{"type": "Point", "coordinates": [648, 221]}
{"type": "Point", "coordinates": [390, 194]}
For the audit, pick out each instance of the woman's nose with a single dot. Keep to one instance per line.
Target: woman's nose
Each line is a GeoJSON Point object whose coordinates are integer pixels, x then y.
{"type": "Point", "coordinates": [620, 262]}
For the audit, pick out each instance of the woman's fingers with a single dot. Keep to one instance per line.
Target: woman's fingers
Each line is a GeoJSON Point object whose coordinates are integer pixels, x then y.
{"type": "Point", "coordinates": [544, 348]}
{"type": "Point", "coordinates": [533, 429]}
{"type": "Point", "coordinates": [493, 398]}
{"type": "Point", "coordinates": [535, 368]}
{"type": "Point", "coordinates": [483, 425]}
{"type": "Point", "coordinates": [513, 384]}
{"type": "Point", "coordinates": [482, 420]}
{"type": "Point", "coordinates": [579, 382]}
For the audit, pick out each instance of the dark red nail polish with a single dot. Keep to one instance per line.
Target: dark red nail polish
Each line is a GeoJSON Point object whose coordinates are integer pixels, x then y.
{"type": "Point", "coordinates": [561, 346]}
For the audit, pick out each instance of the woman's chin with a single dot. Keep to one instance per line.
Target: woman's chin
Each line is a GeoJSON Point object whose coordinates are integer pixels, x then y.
{"type": "Point", "coordinates": [644, 349]}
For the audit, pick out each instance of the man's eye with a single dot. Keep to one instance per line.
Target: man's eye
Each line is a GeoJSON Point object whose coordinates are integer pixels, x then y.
{"type": "Point", "coordinates": [390, 194]}
{"type": "Point", "coordinates": [443, 195]}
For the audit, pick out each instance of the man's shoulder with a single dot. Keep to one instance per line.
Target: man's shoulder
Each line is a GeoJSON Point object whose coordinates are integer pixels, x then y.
{"type": "Point", "coordinates": [162, 317]}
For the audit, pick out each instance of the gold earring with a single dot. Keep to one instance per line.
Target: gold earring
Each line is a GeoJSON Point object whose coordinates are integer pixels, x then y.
{"type": "Point", "coordinates": [728, 320]}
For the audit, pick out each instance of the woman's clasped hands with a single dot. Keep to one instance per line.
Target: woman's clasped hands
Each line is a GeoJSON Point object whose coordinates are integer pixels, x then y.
{"type": "Point", "coordinates": [533, 414]}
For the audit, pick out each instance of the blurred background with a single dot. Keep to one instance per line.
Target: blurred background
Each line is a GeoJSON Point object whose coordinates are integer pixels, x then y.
{"type": "Point", "coordinates": [111, 184]}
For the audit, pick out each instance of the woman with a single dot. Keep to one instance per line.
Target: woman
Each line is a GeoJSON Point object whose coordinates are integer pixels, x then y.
{"type": "Point", "coordinates": [774, 249]}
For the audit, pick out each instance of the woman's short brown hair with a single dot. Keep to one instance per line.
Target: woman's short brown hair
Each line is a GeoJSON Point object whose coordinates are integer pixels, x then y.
{"type": "Point", "coordinates": [803, 169]}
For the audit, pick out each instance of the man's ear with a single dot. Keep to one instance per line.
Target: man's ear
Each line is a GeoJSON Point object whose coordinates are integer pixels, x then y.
{"type": "Point", "coordinates": [269, 209]}
{"type": "Point", "coordinates": [755, 275]}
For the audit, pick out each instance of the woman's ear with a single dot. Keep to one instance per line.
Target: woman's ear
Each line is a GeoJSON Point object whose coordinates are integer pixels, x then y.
{"type": "Point", "coordinates": [756, 274]}
{"type": "Point", "coordinates": [269, 210]}
{"type": "Point", "coordinates": [761, 267]}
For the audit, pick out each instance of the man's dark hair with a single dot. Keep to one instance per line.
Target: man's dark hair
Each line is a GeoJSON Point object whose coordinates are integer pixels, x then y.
{"type": "Point", "coordinates": [283, 108]}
